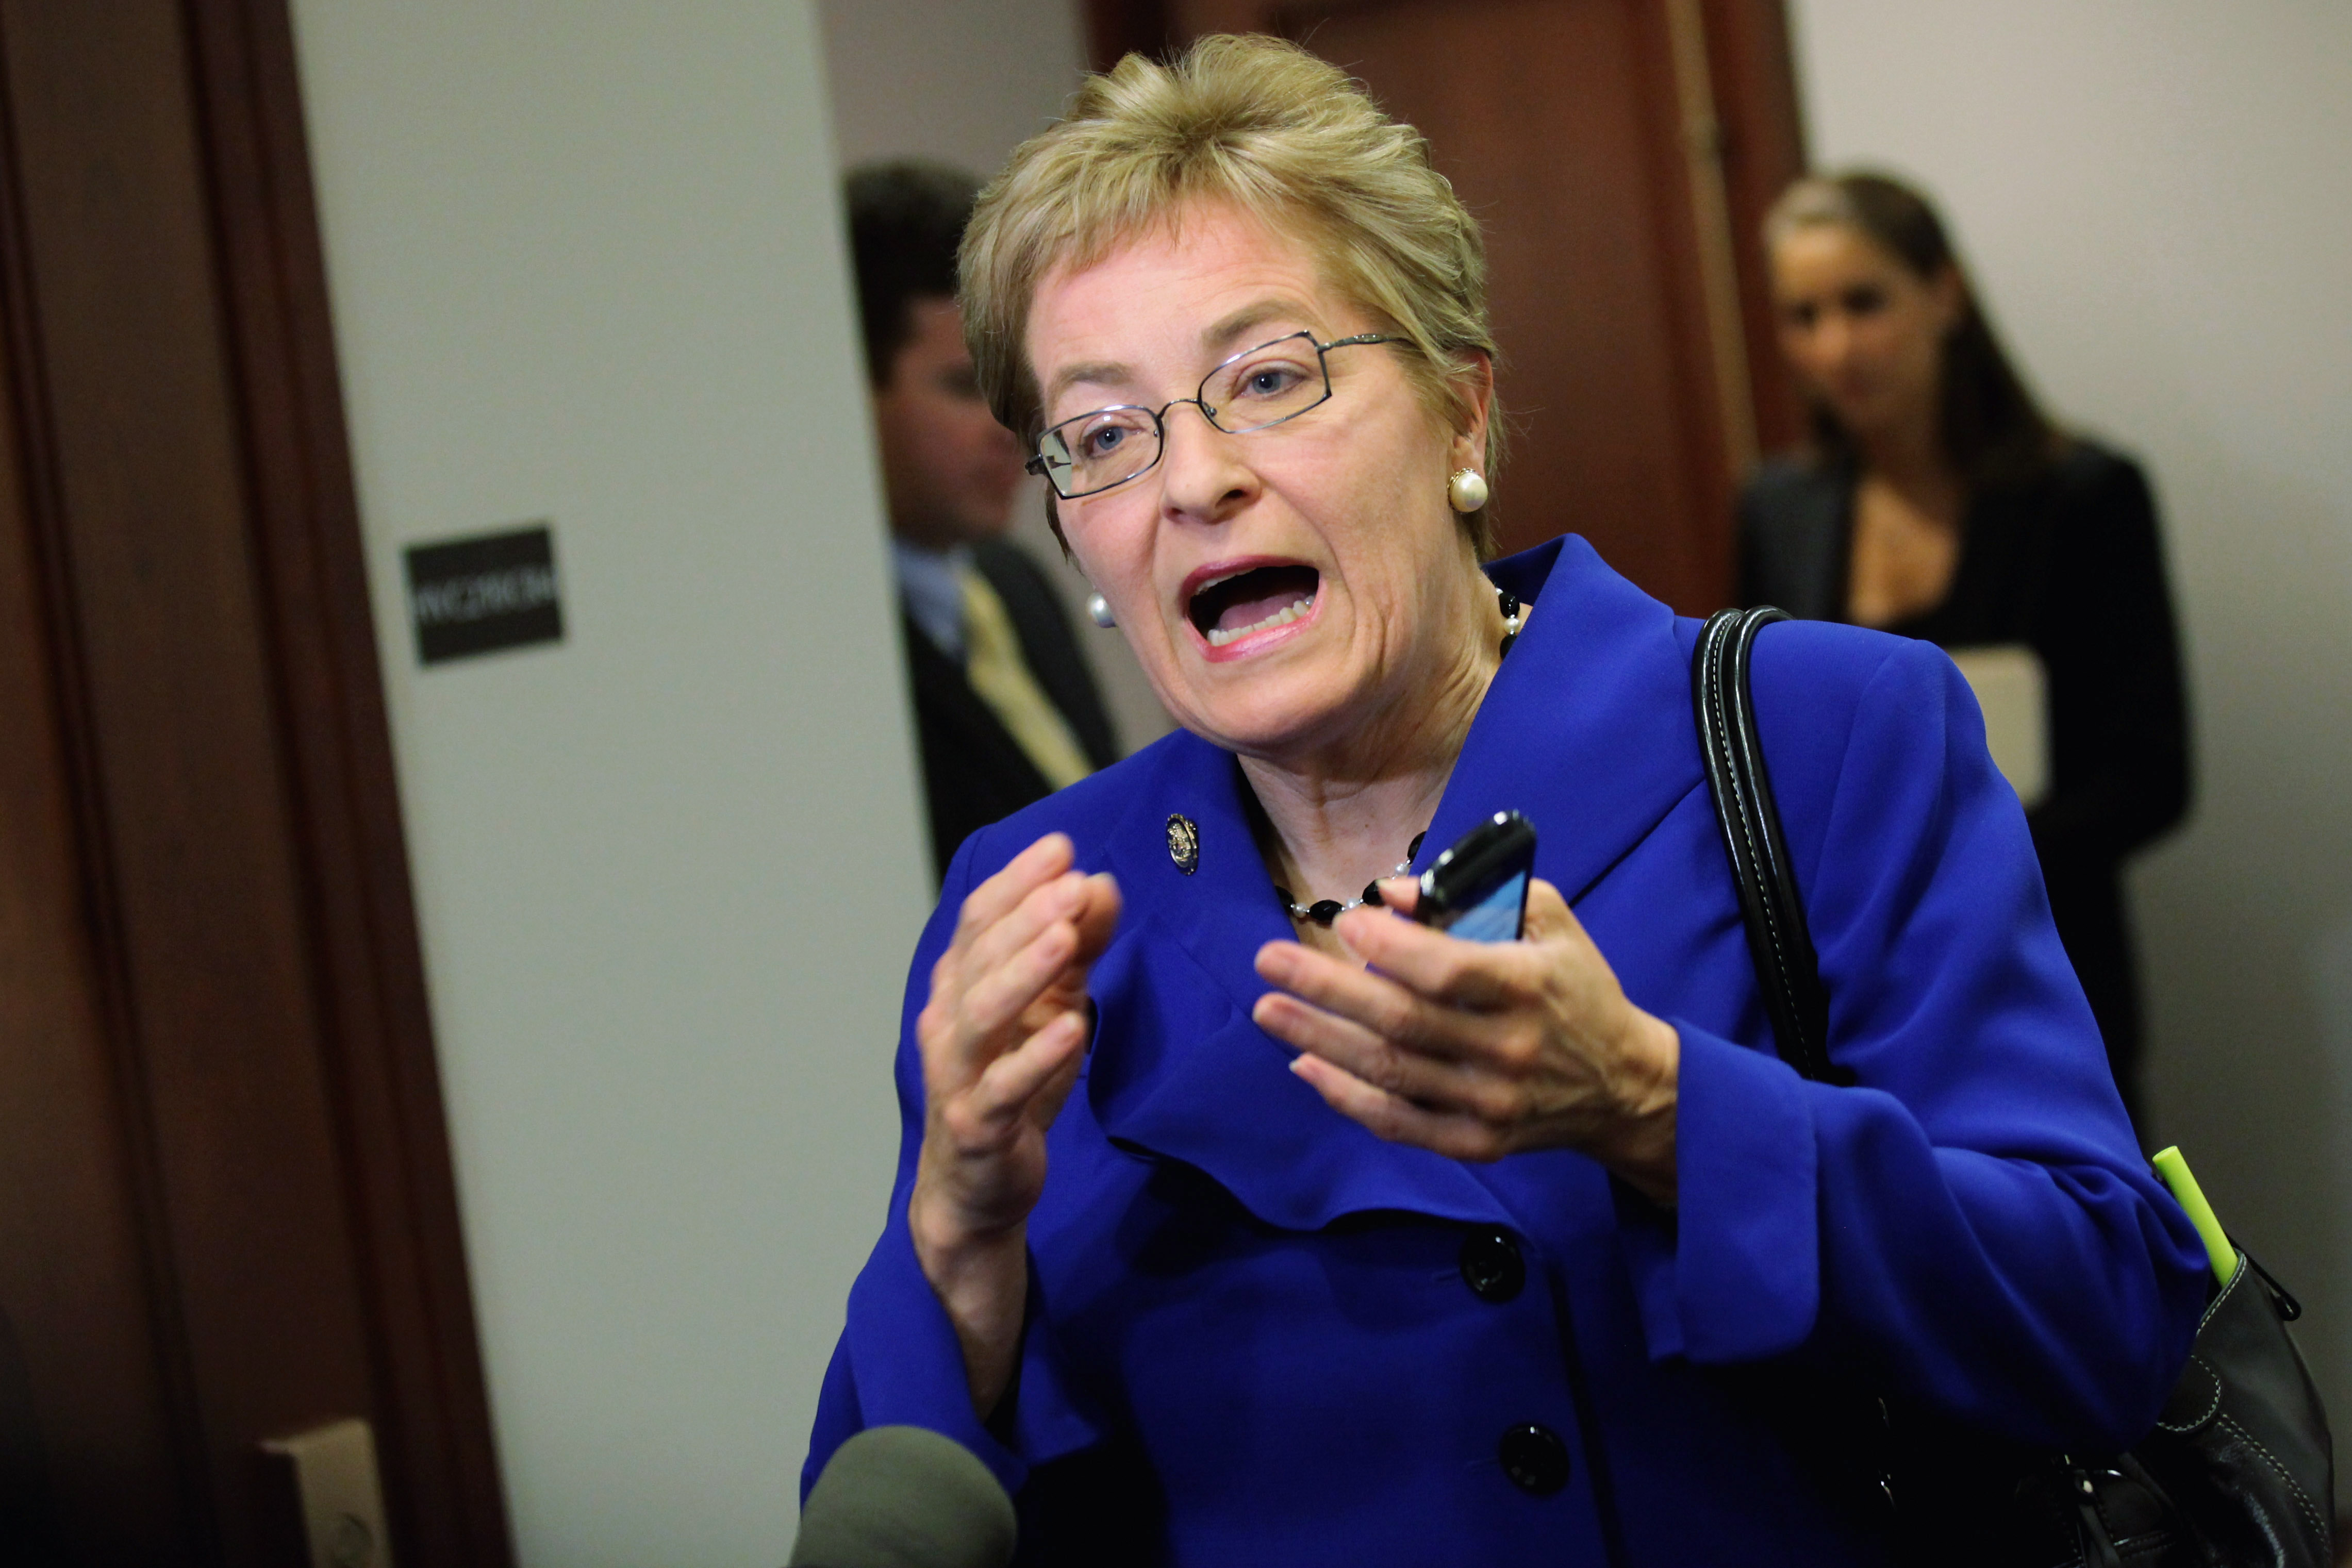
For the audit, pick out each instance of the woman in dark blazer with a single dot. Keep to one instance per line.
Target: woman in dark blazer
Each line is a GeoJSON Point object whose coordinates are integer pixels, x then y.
{"type": "Point", "coordinates": [1938, 502]}
{"type": "Point", "coordinates": [1235, 1225]}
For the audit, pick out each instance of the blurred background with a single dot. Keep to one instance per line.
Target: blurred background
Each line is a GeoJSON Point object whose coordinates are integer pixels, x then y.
{"type": "Point", "coordinates": [492, 1049]}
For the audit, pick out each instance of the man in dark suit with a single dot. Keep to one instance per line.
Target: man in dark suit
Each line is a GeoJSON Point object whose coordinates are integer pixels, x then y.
{"type": "Point", "coordinates": [1005, 707]}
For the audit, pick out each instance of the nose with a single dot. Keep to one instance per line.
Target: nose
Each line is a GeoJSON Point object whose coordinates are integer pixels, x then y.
{"type": "Point", "coordinates": [1833, 338]}
{"type": "Point", "coordinates": [1204, 473]}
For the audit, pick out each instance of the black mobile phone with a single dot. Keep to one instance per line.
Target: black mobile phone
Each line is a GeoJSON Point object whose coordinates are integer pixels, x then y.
{"type": "Point", "coordinates": [1478, 888]}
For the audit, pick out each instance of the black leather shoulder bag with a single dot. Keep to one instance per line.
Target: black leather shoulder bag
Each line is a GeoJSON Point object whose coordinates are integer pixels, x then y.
{"type": "Point", "coordinates": [2240, 1469]}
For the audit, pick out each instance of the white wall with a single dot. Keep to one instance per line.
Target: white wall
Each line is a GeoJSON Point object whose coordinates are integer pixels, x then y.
{"type": "Point", "coordinates": [964, 84]}
{"type": "Point", "coordinates": [586, 264]}
{"type": "Point", "coordinates": [2154, 200]}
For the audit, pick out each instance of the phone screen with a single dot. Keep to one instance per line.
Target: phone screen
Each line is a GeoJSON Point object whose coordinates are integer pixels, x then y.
{"type": "Point", "coordinates": [1496, 918]}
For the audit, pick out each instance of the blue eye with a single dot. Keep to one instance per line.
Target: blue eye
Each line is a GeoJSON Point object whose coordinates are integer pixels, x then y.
{"type": "Point", "coordinates": [1271, 381]}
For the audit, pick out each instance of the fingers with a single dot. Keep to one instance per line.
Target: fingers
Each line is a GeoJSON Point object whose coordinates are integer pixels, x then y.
{"type": "Point", "coordinates": [1549, 917]}
{"type": "Point", "coordinates": [1481, 976]}
{"type": "Point", "coordinates": [998, 966]}
{"type": "Point", "coordinates": [1378, 1003]}
{"type": "Point", "coordinates": [1012, 962]}
{"type": "Point", "coordinates": [1023, 939]}
{"type": "Point", "coordinates": [1098, 916]}
{"type": "Point", "coordinates": [1008, 1085]}
{"type": "Point", "coordinates": [1422, 1077]}
{"type": "Point", "coordinates": [1038, 954]}
{"type": "Point", "coordinates": [1005, 913]}
{"type": "Point", "coordinates": [1048, 858]}
{"type": "Point", "coordinates": [1402, 893]}
{"type": "Point", "coordinates": [1046, 1103]}
{"type": "Point", "coordinates": [1399, 1120]}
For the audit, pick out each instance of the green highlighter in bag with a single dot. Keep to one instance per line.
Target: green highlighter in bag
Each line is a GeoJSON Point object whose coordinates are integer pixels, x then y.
{"type": "Point", "coordinates": [2219, 1250]}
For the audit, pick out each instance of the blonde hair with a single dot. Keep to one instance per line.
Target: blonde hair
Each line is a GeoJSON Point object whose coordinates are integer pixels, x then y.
{"type": "Point", "coordinates": [1263, 125]}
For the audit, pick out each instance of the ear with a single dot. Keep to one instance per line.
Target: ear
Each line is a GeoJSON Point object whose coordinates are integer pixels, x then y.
{"type": "Point", "coordinates": [1474, 385]}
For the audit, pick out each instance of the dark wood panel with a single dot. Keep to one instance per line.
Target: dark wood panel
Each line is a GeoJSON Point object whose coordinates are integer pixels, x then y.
{"type": "Point", "coordinates": [240, 1219]}
{"type": "Point", "coordinates": [1557, 125]}
{"type": "Point", "coordinates": [188, 773]}
{"type": "Point", "coordinates": [1568, 125]}
{"type": "Point", "coordinates": [81, 1297]}
{"type": "Point", "coordinates": [1118, 28]}
{"type": "Point", "coordinates": [433, 1426]}
{"type": "Point", "coordinates": [1763, 150]}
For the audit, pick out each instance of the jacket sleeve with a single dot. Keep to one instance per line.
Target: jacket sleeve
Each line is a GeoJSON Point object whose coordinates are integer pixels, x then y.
{"type": "Point", "coordinates": [1972, 1226]}
{"type": "Point", "coordinates": [2118, 724]}
{"type": "Point", "coordinates": [897, 1361]}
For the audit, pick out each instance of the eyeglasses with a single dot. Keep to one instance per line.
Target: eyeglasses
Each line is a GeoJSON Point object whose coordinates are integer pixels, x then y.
{"type": "Point", "coordinates": [1256, 389]}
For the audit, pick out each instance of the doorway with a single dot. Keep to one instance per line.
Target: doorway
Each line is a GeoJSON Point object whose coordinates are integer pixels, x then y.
{"type": "Point", "coordinates": [1619, 155]}
{"type": "Point", "coordinates": [227, 1211]}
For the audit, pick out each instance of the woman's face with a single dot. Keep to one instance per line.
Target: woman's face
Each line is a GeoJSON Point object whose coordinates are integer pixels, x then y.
{"type": "Point", "coordinates": [1864, 330]}
{"type": "Point", "coordinates": [1282, 587]}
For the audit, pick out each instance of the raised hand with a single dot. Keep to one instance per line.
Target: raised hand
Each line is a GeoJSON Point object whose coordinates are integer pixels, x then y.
{"type": "Point", "coordinates": [1478, 1050]}
{"type": "Point", "coordinates": [1002, 1037]}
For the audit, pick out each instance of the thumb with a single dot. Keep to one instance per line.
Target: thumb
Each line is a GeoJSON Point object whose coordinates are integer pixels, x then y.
{"type": "Point", "coordinates": [1402, 893]}
{"type": "Point", "coordinates": [1097, 918]}
{"type": "Point", "coordinates": [1549, 917]}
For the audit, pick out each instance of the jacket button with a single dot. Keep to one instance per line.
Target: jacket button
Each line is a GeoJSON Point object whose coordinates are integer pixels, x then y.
{"type": "Point", "coordinates": [1491, 1265]}
{"type": "Point", "coordinates": [1535, 1458]}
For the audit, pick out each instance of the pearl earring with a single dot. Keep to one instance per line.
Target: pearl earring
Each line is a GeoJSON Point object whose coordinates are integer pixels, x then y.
{"type": "Point", "coordinates": [1466, 491]}
{"type": "Point", "coordinates": [1099, 612]}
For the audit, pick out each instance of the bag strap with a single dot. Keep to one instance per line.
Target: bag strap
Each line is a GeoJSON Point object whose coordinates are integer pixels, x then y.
{"type": "Point", "coordinates": [1786, 966]}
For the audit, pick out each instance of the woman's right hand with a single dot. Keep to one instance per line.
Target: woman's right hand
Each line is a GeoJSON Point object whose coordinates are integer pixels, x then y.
{"type": "Point", "coordinates": [1002, 1037]}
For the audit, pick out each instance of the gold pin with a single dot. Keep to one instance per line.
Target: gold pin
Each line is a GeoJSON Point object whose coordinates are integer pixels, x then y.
{"type": "Point", "coordinates": [1183, 843]}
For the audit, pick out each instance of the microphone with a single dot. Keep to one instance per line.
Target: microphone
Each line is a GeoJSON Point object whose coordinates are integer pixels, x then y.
{"type": "Point", "coordinates": [904, 1497]}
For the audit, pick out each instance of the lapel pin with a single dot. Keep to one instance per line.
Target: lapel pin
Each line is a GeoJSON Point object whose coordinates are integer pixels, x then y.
{"type": "Point", "coordinates": [1183, 843]}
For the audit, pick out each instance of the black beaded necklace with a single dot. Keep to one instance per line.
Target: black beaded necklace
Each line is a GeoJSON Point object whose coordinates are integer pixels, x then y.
{"type": "Point", "coordinates": [1324, 911]}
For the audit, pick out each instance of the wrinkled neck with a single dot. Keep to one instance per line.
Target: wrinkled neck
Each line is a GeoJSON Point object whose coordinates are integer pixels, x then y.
{"type": "Point", "coordinates": [1344, 812]}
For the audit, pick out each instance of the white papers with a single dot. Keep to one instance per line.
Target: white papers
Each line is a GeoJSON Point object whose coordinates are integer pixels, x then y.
{"type": "Point", "coordinates": [2013, 691]}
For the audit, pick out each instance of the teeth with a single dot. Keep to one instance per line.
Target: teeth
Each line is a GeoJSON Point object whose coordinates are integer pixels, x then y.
{"type": "Point", "coordinates": [1219, 636]}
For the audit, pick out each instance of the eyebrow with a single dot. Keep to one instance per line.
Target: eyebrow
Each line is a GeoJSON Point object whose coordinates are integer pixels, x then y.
{"type": "Point", "coordinates": [1219, 335]}
{"type": "Point", "coordinates": [1251, 317]}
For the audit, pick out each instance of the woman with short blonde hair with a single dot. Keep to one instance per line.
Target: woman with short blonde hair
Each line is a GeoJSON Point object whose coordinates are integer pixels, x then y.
{"type": "Point", "coordinates": [1241, 1217]}
{"type": "Point", "coordinates": [1142, 142]}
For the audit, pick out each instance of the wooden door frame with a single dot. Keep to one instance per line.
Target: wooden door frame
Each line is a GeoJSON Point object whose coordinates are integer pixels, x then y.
{"type": "Point", "coordinates": [1760, 141]}
{"type": "Point", "coordinates": [1762, 147]}
{"type": "Point", "coordinates": [367, 1024]}
{"type": "Point", "coordinates": [369, 970]}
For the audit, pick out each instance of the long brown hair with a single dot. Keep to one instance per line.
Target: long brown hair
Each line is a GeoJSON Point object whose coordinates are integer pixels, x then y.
{"type": "Point", "coordinates": [1992, 432]}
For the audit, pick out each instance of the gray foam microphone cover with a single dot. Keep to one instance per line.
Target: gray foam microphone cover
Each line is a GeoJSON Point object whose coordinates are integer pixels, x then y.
{"type": "Point", "coordinates": [904, 1497]}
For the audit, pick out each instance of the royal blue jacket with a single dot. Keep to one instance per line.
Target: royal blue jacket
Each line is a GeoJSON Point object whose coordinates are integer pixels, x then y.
{"type": "Point", "coordinates": [1257, 1333]}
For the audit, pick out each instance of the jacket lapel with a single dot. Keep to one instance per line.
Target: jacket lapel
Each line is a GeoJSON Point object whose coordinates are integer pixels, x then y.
{"type": "Point", "coordinates": [1574, 733]}
{"type": "Point", "coordinates": [1180, 1072]}
{"type": "Point", "coordinates": [1586, 730]}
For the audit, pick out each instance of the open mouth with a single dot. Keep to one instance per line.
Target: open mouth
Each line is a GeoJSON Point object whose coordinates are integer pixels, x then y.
{"type": "Point", "coordinates": [1258, 598]}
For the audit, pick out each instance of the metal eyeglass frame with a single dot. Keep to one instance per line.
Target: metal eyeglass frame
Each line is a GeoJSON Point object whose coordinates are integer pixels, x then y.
{"type": "Point", "coordinates": [1040, 464]}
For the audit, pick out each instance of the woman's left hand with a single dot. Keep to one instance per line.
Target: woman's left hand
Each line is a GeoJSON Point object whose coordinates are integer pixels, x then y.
{"type": "Point", "coordinates": [1478, 1050]}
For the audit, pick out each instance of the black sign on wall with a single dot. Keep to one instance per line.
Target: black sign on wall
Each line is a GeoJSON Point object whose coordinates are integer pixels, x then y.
{"type": "Point", "coordinates": [480, 594]}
